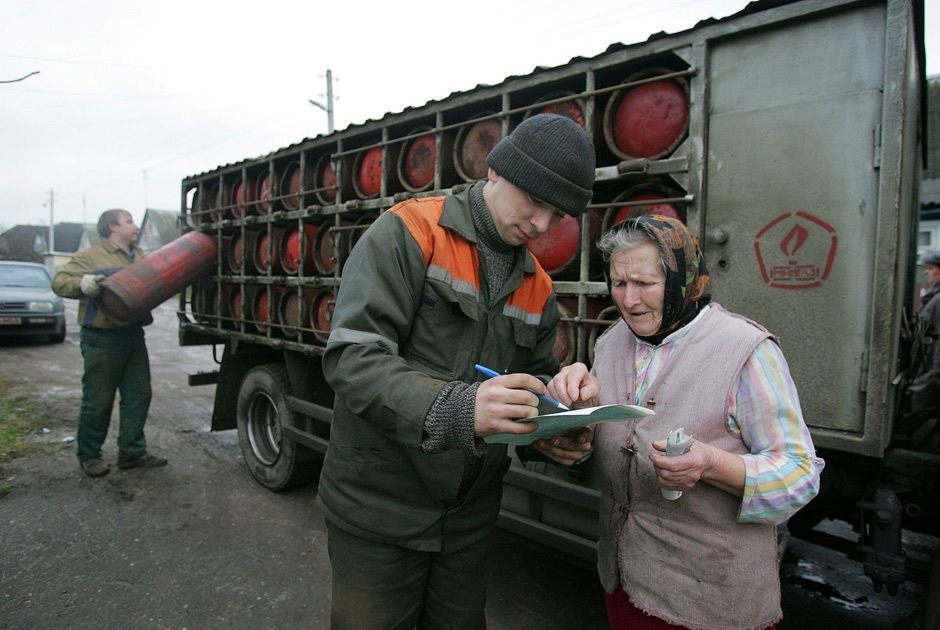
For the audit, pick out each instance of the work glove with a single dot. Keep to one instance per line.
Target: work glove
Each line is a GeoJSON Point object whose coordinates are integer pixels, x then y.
{"type": "Point", "coordinates": [90, 282]}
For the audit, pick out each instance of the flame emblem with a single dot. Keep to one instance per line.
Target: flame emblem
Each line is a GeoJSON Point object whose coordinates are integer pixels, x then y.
{"type": "Point", "coordinates": [796, 250]}
{"type": "Point", "coordinates": [794, 241]}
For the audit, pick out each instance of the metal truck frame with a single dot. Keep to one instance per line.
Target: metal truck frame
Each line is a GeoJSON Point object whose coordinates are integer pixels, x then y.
{"type": "Point", "coordinates": [797, 168]}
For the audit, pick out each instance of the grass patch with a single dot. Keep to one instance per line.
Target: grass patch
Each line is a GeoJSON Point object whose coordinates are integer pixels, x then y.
{"type": "Point", "coordinates": [19, 417]}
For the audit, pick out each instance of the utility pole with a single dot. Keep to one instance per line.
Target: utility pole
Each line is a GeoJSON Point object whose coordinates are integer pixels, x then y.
{"type": "Point", "coordinates": [51, 223]}
{"type": "Point", "coordinates": [328, 108]}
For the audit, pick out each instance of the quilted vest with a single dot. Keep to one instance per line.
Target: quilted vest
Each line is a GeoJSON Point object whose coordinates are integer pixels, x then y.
{"type": "Point", "coordinates": [689, 561]}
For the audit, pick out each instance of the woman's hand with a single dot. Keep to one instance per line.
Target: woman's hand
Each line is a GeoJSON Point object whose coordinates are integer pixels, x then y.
{"type": "Point", "coordinates": [575, 384]}
{"type": "Point", "coordinates": [703, 462]}
{"type": "Point", "coordinates": [569, 448]}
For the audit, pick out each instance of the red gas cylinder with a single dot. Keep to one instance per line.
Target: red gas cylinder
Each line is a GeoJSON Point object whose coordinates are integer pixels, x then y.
{"type": "Point", "coordinates": [321, 316]}
{"type": "Point", "coordinates": [235, 304]}
{"type": "Point", "coordinates": [264, 252]}
{"type": "Point", "coordinates": [325, 178]}
{"type": "Point", "coordinates": [131, 293]}
{"type": "Point", "coordinates": [293, 309]}
{"type": "Point", "coordinates": [235, 254]}
{"type": "Point", "coordinates": [566, 337]}
{"type": "Point", "coordinates": [263, 303]}
{"type": "Point", "coordinates": [368, 169]}
{"type": "Point", "coordinates": [557, 250]}
{"type": "Point", "coordinates": [259, 308]}
{"type": "Point", "coordinates": [293, 182]}
{"type": "Point", "coordinates": [296, 250]}
{"type": "Point", "coordinates": [647, 120]}
{"type": "Point", "coordinates": [208, 203]}
{"type": "Point", "coordinates": [242, 197]}
{"type": "Point", "coordinates": [418, 161]}
{"type": "Point", "coordinates": [203, 306]}
{"type": "Point", "coordinates": [653, 193]}
{"type": "Point", "coordinates": [474, 142]}
{"type": "Point", "coordinates": [267, 188]}
{"type": "Point", "coordinates": [328, 248]}
{"type": "Point", "coordinates": [573, 109]}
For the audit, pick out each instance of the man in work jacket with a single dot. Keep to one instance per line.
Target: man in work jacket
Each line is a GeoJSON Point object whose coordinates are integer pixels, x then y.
{"type": "Point", "coordinates": [436, 285]}
{"type": "Point", "coordinates": [115, 356]}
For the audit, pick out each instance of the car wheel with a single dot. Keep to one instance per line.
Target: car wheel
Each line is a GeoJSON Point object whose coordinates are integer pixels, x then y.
{"type": "Point", "coordinates": [273, 459]}
{"type": "Point", "coordinates": [58, 337]}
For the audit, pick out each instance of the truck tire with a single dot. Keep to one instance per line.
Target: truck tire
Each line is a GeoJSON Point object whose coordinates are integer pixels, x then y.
{"type": "Point", "coordinates": [274, 460]}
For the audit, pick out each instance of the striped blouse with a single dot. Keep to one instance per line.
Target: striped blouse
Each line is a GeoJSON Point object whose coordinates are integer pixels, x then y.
{"type": "Point", "coordinates": [782, 468]}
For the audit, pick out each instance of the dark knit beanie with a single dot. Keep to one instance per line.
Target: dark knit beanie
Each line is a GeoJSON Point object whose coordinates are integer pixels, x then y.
{"type": "Point", "coordinates": [550, 157]}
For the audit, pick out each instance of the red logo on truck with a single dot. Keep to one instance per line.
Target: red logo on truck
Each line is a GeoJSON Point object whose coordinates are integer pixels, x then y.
{"type": "Point", "coordinates": [796, 251]}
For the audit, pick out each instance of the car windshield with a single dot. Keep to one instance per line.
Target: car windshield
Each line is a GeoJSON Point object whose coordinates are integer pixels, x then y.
{"type": "Point", "coordinates": [18, 276]}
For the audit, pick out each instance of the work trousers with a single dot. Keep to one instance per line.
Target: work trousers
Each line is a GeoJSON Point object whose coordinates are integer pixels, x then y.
{"type": "Point", "coordinates": [379, 586]}
{"type": "Point", "coordinates": [115, 361]}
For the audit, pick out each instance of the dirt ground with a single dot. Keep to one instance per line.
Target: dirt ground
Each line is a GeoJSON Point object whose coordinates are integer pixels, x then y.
{"type": "Point", "coordinates": [198, 544]}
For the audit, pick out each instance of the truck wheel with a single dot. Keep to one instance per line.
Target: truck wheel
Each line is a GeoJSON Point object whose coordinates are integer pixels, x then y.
{"type": "Point", "coordinates": [273, 459]}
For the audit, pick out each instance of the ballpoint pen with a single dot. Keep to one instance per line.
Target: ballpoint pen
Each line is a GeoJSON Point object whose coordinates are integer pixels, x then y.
{"type": "Point", "coordinates": [551, 401]}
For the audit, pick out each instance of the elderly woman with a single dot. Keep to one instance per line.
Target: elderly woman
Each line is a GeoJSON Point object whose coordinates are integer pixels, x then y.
{"type": "Point", "coordinates": [709, 558]}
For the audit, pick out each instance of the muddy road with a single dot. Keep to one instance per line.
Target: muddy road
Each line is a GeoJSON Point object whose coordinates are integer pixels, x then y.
{"type": "Point", "coordinates": [198, 544]}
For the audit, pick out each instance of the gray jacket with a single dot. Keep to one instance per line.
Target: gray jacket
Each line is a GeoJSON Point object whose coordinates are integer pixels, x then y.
{"type": "Point", "coordinates": [411, 315]}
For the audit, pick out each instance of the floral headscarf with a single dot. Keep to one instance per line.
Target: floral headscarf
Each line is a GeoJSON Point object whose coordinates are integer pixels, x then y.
{"type": "Point", "coordinates": [686, 274]}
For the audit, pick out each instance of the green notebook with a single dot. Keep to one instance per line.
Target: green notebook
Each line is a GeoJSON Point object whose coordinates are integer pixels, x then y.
{"type": "Point", "coordinates": [557, 423]}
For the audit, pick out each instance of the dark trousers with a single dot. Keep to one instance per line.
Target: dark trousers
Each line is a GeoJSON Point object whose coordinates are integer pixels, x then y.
{"type": "Point", "coordinates": [115, 361]}
{"type": "Point", "coordinates": [383, 587]}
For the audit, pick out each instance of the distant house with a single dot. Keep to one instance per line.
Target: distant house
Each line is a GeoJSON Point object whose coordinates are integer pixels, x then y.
{"type": "Point", "coordinates": [929, 233]}
{"type": "Point", "coordinates": [30, 243]}
{"type": "Point", "coordinates": [158, 228]}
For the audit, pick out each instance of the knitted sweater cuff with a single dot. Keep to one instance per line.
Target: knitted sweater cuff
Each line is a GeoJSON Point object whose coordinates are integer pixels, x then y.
{"type": "Point", "coordinates": [449, 425]}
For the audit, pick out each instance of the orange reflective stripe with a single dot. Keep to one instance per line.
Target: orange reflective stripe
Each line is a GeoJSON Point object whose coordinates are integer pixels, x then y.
{"type": "Point", "coordinates": [532, 295]}
{"type": "Point", "coordinates": [446, 250]}
{"type": "Point", "coordinates": [441, 247]}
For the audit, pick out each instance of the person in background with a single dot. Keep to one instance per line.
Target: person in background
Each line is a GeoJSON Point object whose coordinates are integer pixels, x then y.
{"type": "Point", "coordinates": [115, 356]}
{"type": "Point", "coordinates": [709, 558]}
{"type": "Point", "coordinates": [930, 305]}
{"type": "Point", "coordinates": [436, 285]}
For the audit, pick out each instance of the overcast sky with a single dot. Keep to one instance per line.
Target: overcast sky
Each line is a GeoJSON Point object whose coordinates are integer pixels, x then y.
{"type": "Point", "coordinates": [132, 95]}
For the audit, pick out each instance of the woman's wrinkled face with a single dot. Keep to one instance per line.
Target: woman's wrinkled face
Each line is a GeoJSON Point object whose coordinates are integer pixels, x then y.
{"type": "Point", "coordinates": [638, 288]}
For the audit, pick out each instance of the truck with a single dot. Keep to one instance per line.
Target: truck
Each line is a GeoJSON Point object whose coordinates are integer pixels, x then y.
{"type": "Point", "coordinates": [789, 137]}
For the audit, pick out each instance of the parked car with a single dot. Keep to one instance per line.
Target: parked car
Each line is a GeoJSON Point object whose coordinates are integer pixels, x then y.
{"type": "Point", "coordinates": [27, 304]}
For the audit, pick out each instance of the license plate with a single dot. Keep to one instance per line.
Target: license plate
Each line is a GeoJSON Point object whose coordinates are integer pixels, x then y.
{"type": "Point", "coordinates": [11, 321]}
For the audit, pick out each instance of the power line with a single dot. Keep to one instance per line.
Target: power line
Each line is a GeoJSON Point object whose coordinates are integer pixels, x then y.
{"type": "Point", "coordinates": [21, 78]}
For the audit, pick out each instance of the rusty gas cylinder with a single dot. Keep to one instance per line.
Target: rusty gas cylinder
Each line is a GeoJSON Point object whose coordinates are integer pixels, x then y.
{"type": "Point", "coordinates": [264, 252]}
{"type": "Point", "coordinates": [131, 293]}
{"type": "Point", "coordinates": [295, 252]}
{"type": "Point", "coordinates": [368, 169]}
{"type": "Point", "coordinates": [328, 248]}
{"type": "Point", "coordinates": [656, 196]}
{"type": "Point", "coordinates": [242, 197]}
{"type": "Point", "coordinates": [293, 308]}
{"type": "Point", "coordinates": [267, 189]}
{"type": "Point", "coordinates": [333, 175]}
{"type": "Point", "coordinates": [474, 142]}
{"type": "Point", "coordinates": [417, 162]}
{"type": "Point", "coordinates": [321, 315]}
